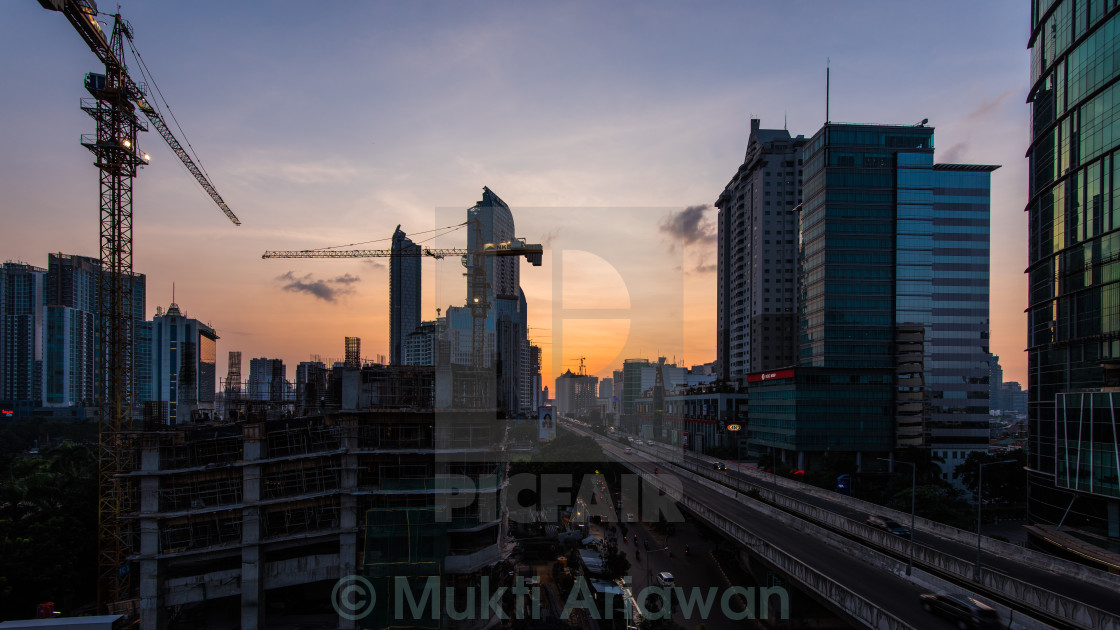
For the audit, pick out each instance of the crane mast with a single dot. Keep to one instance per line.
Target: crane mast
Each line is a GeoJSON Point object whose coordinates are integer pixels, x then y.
{"type": "Point", "coordinates": [114, 99]}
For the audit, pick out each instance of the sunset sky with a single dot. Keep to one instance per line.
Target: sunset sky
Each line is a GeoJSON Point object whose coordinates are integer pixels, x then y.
{"type": "Point", "coordinates": [609, 129]}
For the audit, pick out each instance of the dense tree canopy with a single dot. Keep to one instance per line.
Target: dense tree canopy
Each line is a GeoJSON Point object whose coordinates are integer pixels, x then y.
{"type": "Point", "coordinates": [48, 531]}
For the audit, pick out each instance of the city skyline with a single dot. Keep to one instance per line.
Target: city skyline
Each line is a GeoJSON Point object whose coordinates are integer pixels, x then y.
{"type": "Point", "coordinates": [357, 119]}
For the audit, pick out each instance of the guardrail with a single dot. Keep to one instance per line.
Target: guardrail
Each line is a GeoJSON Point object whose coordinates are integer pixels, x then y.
{"type": "Point", "coordinates": [856, 606]}
{"type": "Point", "coordinates": [1041, 600]}
{"type": "Point", "coordinates": [1008, 550]}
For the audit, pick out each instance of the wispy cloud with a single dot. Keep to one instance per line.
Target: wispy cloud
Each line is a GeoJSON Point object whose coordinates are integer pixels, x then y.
{"type": "Point", "coordinates": [689, 226]}
{"type": "Point", "coordinates": [954, 154]}
{"type": "Point", "coordinates": [328, 289]}
{"type": "Point", "coordinates": [549, 236]}
{"type": "Point", "coordinates": [988, 108]}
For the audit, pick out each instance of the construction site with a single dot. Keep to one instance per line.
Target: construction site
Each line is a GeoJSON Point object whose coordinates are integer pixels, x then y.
{"type": "Point", "coordinates": [249, 514]}
{"type": "Point", "coordinates": [250, 523]}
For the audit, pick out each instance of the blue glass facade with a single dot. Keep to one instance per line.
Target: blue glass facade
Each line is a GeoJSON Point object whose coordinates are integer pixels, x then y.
{"type": "Point", "coordinates": [894, 268]}
{"type": "Point", "coordinates": [1074, 257]}
{"type": "Point", "coordinates": [805, 412]}
{"type": "Point", "coordinates": [849, 241]}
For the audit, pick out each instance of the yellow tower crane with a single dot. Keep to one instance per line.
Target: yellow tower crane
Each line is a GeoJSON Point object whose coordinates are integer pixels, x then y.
{"type": "Point", "coordinates": [115, 97]}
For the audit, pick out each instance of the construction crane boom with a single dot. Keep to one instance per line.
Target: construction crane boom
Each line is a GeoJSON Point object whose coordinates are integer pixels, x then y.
{"type": "Point", "coordinates": [82, 14]}
{"type": "Point", "coordinates": [531, 252]}
{"type": "Point", "coordinates": [157, 122]}
{"type": "Point", "coordinates": [477, 283]}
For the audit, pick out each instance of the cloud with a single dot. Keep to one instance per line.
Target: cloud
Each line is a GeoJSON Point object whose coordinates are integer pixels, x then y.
{"type": "Point", "coordinates": [689, 226]}
{"type": "Point", "coordinates": [954, 154]}
{"type": "Point", "coordinates": [327, 290]}
{"type": "Point", "coordinates": [703, 267]}
{"type": "Point", "coordinates": [549, 236]}
{"type": "Point", "coordinates": [988, 108]}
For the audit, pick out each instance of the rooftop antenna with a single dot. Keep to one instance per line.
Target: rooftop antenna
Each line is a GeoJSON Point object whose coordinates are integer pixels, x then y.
{"type": "Point", "coordinates": [827, 63]}
{"type": "Point", "coordinates": [785, 121]}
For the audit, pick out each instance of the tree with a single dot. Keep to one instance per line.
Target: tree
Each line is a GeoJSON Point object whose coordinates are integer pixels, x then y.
{"type": "Point", "coordinates": [48, 531]}
{"type": "Point", "coordinates": [1006, 483]}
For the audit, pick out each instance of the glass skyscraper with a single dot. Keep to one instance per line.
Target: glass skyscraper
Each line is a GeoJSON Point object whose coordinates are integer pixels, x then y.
{"type": "Point", "coordinates": [404, 294]}
{"type": "Point", "coordinates": [893, 306]}
{"type": "Point", "coordinates": [1074, 274]}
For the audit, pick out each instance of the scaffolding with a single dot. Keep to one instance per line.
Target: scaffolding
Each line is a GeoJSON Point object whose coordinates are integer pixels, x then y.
{"type": "Point", "coordinates": [199, 449]}
{"type": "Point", "coordinates": [199, 531]}
{"type": "Point", "coordinates": [353, 352]}
{"type": "Point", "coordinates": [303, 439]}
{"type": "Point", "coordinates": [201, 491]}
{"type": "Point", "coordinates": [294, 478]}
{"type": "Point", "coordinates": [291, 519]}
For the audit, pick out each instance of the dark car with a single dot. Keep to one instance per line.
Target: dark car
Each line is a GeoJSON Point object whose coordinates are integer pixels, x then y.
{"type": "Point", "coordinates": [719, 466]}
{"type": "Point", "coordinates": [966, 612]}
{"type": "Point", "coordinates": [889, 525]}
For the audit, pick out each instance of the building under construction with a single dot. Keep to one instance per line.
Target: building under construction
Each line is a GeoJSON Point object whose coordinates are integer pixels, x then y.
{"type": "Point", "coordinates": [247, 523]}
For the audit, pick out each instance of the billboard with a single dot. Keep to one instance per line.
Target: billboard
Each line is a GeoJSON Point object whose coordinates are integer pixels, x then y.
{"type": "Point", "coordinates": [547, 423]}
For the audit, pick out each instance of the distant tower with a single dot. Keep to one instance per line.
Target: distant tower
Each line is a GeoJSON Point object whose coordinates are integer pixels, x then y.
{"type": "Point", "coordinates": [404, 294]}
{"type": "Point", "coordinates": [353, 352]}
{"type": "Point", "coordinates": [233, 377]}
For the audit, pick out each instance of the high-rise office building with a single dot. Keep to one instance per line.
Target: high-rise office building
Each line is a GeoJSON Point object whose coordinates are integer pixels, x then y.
{"type": "Point", "coordinates": [606, 388]}
{"type": "Point", "coordinates": [495, 226]}
{"type": "Point", "coordinates": [995, 383]}
{"type": "Point", "coordinates": [756, 326]}
{"type": "Point", "coordinates": [184, 356]}
{"type": "Point", "coordinates": [893, 302]}
{"type": "Point", "coordinates": [21, 335]}
{"type": "Point", "coordinates": [268, 380]}
{"type": "Point", "coordinates": [419, 346]}
{"type": "Point", "coordinates": [575, 393]}
{"type": "Point", "coordinates": [505, 344]}
{"type": "Point", "coordinates": [404, 294]}
{"type": "Point", "coordinates": [1074, 273]}
{"type": "Point", "coordinates": [632, 384]}
{"type": "Point", "coordinates": [71, 351]}
{"type": "Point", "coordinates": [311, 384]}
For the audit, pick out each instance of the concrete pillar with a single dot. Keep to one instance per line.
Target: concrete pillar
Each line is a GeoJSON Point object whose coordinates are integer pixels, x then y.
{"type": "Point", "coordinates": [350, 520]}
{"type": "Point", "coordinates": [151, 602]}
{"type": "Point", "coordinates": [252, 564]}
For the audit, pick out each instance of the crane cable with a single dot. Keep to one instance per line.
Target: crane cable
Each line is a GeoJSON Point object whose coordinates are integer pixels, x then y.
{"type": "Point", "coordinates": [449, 228]}
{"type": "Point", "coordinates": [150, 78]}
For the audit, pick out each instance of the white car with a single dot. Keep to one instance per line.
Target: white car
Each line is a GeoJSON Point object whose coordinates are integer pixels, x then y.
{"type": "Point", "coordinates": [666, 579]}
{"type": "Point", "coordinates": [640, 443]}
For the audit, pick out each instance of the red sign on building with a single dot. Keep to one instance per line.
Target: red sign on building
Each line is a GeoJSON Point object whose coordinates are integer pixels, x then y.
{"type": "Point", "coordinates": [770, 376]}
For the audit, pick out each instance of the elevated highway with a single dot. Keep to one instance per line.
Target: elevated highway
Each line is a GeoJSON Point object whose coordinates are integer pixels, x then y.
{"type": "Point", "coordinates": [819, 539]}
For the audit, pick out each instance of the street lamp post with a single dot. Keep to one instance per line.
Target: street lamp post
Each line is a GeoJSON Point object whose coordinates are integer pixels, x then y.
{"type": "Point", "coordinates": [979, 508]}
{"type": "Point", "coordinates": [913, 504]}
{"type": "Point", "coordinates": [649, 574]}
